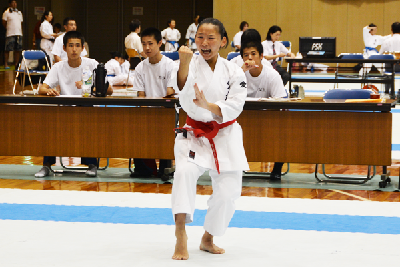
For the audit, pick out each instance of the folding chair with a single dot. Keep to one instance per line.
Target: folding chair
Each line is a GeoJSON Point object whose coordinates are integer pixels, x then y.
{"type": "Point", "coordinates": [24, 66]}
{"type": "Point", "coordinates": [172, 55]}
{"type": "Point", "coordinates": [346, 94]}
{"type": "Point", "coordinates": [70, 169]}
{"type": "Point", "coordinates": [232, 55]}
{"type": "Point", "coordinates": [134, 57]}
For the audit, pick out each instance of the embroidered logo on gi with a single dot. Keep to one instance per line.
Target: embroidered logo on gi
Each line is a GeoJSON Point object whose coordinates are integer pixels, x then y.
{"type": "Point", "coordinates": [161, 77]}
{"type": "Point", "coordinates": [243, 84]}
{"type": "Point", "coordinates": [192, 154]}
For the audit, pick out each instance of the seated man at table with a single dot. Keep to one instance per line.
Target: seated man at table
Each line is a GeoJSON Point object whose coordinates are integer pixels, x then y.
{"type": "Point", "coordinates": [68, 75]}
{"type": "Point", "coordinates": [153, 79]}
{"type": "Point", "coordinates": [262, 80]}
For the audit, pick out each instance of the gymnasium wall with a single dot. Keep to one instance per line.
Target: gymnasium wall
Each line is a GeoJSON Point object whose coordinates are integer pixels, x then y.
{"type": "Point", "coordinates": [343, 19]}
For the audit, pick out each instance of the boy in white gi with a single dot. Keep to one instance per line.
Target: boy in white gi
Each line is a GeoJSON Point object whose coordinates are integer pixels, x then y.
{"type": "Point", "coordinates": [191, 34]}
{"type": "Point", "coordinates": [153, 78]}
{"type": "Point", "coordinates": [213, 92]}
{"type": "Point", "coordinates": [244, 25]}
{"type": "Point", "coordinates": [68, 75]}
{"type": "Point", "coordinates": [171, 36]}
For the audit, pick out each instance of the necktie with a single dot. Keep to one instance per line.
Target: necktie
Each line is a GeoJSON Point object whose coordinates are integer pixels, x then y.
{"type": "Point", "coordinates": [274, 63]}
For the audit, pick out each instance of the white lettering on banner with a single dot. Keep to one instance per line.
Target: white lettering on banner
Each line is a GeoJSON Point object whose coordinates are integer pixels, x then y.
{"type": "Point", "coordinates": [317, 46]}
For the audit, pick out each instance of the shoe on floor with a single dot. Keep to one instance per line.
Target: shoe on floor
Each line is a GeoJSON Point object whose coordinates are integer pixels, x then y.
{"type": "Point", "coordinates": [44, 171]}
{"type": "Point", "coordinates": [92, 171]}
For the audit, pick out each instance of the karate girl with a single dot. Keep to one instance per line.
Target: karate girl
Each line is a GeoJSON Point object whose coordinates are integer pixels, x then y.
{"type": "Point", "coordinates": [212, 93]}
{"type": "Point", "coordinates": [48, 36]}
{"type": "Point", "coordinates": [171, 36]}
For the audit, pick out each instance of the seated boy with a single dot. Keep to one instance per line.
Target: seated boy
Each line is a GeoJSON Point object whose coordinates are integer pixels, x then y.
{"type": "Point", "coordinates": [262, 81]}
{"type": "Point", "coordinates": [68, 75]}
{"type": "Point", "coordinates": [153, 79]}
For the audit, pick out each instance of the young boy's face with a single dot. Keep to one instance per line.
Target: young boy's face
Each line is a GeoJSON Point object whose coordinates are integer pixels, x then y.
{"type": "Point", "coordinates": [150, 46]}
{"type": "Point", "coordinates": [74, 49]}
{"type": "Point", "coordinates": [251, 53]}
{"type": "Point", "coordinates": [172, 24]}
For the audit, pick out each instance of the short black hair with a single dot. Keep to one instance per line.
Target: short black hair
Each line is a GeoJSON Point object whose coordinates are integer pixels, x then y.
{"type": "Point", "coordinates": [169, 21]}
{"type": "Point", "coordinates": [66, 20]}
{"type": "Point", "coordinates": [73, 35]}
{"type": "Point", "coordinates": [257, 45]}
{"type": "Point", "coordinates": [10, 1]}
{"type": "Point", "coordinates": [250, 35]}
{"type": "Point", "coordinates": [134, 24]}
{"type": "Point", "coordinates": [115, 54]}
{"type": "Point", "coordinates": [273, 30]}
{"type": "Point", "coordinates": [242, 24]}
{"type": "Point", "coordinates": [156, 33]}
{"type": "Point", "coordinates": [57, 25]}
{"type": "Point", "coordinates": [396, 27]}
{"type": "Point", "coordinates": [371, 25]}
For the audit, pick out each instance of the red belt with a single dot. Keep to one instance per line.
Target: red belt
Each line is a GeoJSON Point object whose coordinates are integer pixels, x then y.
{"type": "Point", "coordinates": [207, 129]}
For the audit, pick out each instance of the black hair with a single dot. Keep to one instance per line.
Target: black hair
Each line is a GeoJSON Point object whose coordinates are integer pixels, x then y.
{"type": "Point", "coordinates": [250, 35]}
{"type": "Point", "coordinates": [273, 30]}
{"type": "Point", "coordinates": [57, 25]}
{"type": "Point", "coordinates": [115, 54]}
{"type": "Point", "coordinates": [257, 45]}
{"type": "Point", "coordinates": [154, 32]}
{"type": "Point", "coordinates": [73, 35]}
{"type": "Point", "coordinates": [134, 24]}
{"type": "Point", "coordinates": [242, 24]}
{"type": "Point", "coordinates": [396, 27]}
{"type": "Point", "coordinates": [372, 25]}
{"type": "Point", "coordinates": [46, 13]}
{"type": "Point", "coordinates": [169, 21]}
{"type": "Point", "coordinates": [66, 20]}
{"type": "Point", "coordinates": [10, 1]}
{"type": "Point", "coordinates": [200, 19]}
{"type": "Point", "coordinates": [219, 25]}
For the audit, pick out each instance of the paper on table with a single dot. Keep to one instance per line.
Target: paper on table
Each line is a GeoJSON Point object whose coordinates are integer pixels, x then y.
{"type": "Point", "coordinates": [69, 96]}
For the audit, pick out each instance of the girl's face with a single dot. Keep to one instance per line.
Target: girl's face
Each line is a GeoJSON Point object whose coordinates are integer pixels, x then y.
{"type": "Point", "coordinates": [208, 41]}
{"type": "Point", "coordinates": [275, 36]}
{"type": "Point", "coordinates": [49, 17]}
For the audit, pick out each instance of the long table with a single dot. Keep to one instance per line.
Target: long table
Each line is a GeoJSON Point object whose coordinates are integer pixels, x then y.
{"type": "Point", "coordinates": [308, 131]}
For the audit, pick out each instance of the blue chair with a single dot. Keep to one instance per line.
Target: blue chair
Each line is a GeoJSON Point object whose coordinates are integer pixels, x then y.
{"type": "Point", "coordinates": [24, 66]}
{"type": "Point", "coordinates": [233, 46]}
{"type": "Point", "coordinates": [232, 55]}
{"type": "Point", "coordinates": [172, 55]}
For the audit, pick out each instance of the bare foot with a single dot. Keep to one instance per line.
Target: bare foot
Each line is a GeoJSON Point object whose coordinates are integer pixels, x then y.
{"type": "Point", "coordinates": [208, 245]}
{"type": "Point", "coordinates": [181, 252]}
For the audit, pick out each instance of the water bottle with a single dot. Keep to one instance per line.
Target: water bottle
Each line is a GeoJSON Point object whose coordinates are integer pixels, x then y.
{"type": "Point", "coordinates": [86, 81]}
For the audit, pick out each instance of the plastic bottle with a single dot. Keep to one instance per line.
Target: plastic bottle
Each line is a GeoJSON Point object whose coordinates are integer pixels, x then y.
{"type": "Point", "coordinates": [86, 81]}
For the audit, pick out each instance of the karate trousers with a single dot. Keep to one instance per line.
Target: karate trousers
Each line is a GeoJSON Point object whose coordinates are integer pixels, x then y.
{"type": "Point", "coordinates": [227, 187]}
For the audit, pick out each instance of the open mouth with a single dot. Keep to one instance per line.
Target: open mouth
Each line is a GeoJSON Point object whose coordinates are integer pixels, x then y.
{"type": "Point", "coordinates": [206, 51]}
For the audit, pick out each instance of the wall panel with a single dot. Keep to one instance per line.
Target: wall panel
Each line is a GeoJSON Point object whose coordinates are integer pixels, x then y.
{"type": "Point", "coordinates": [295, 19]}
{"type": "Point", "coordinates": [362, 13]}
{"type": "Point", "coordinates": [330, 20]}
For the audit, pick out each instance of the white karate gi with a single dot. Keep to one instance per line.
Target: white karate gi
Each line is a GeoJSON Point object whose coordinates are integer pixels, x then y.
{"type": "Point", "coordinates": [113, 67]}
{"type": "Point", "coordinates": [169, 34]}
{"type": "Point", "coordinates": [191, 35]}
{"type": "Point", "coordinates": [225, 87]}
{"type": "Point", "coordinates": [46, 30]}
{"type": "Point", "coordinates": [237, 38]}
{"type": "Point", "coordinates": [371, 43]}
